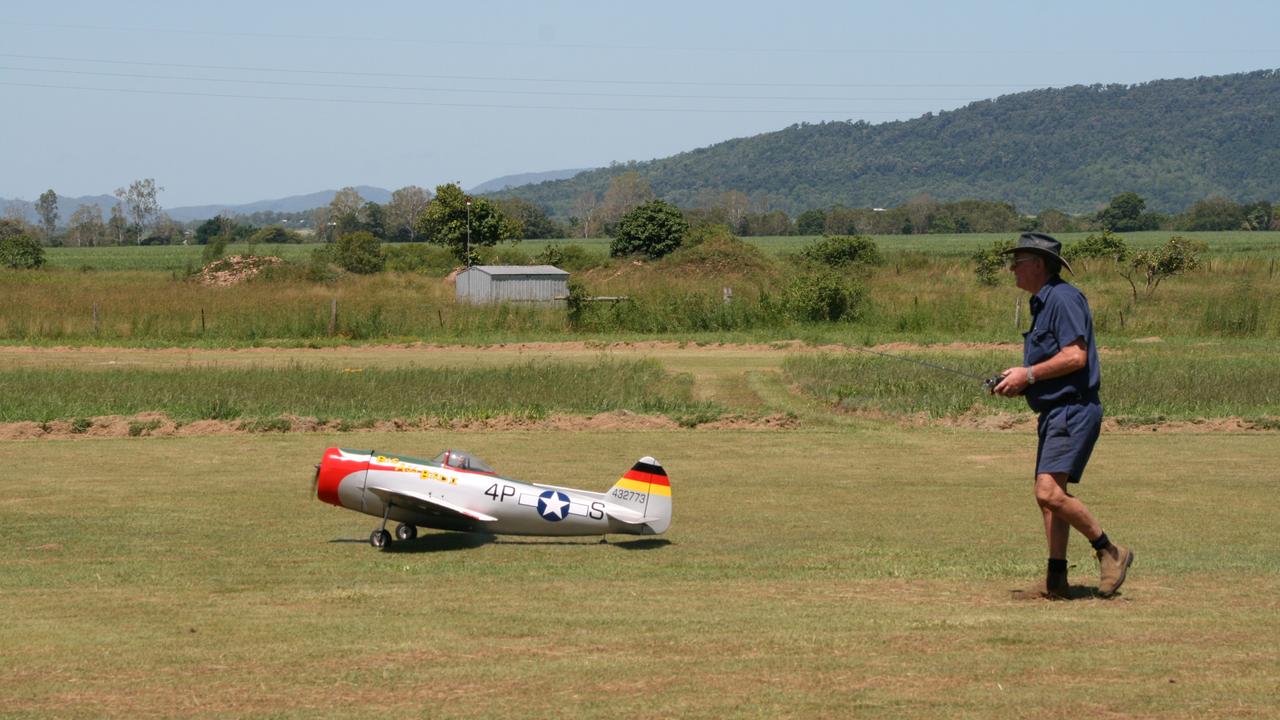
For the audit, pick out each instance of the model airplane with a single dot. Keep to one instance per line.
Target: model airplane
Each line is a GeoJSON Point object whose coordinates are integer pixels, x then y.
{"type": "Point", "coordinates": [458, 491]}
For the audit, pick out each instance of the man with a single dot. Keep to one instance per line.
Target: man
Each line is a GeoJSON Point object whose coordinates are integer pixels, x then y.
{"type": "Point", "coordinates": [1059, 376]}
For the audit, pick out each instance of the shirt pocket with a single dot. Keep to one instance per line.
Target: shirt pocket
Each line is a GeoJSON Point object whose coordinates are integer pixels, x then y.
{"type": "Point", "coordinates": [1040, 345]}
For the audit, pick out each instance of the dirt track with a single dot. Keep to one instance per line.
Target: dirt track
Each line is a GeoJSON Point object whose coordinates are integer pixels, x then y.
{"type": "Point", "coordinates": [711, 365]}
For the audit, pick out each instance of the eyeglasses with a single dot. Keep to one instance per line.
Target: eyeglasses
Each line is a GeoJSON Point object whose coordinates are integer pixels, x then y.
{"type": "Point", "coordinates": [1018, 261]}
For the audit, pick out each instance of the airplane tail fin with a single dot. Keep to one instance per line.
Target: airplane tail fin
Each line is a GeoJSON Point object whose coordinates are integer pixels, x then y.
{"type": "Point", "coordinates": [645, 491]}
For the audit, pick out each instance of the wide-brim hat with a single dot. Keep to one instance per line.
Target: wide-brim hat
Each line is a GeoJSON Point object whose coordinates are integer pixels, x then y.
{"type": "Point", "coordinates": [1041, 244]}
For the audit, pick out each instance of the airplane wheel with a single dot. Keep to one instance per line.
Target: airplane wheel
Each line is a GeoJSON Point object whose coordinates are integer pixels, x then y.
{"type": "Point", "coordinates": [380, 539]}
{"type": "Point", "coordinates": [405, 531]}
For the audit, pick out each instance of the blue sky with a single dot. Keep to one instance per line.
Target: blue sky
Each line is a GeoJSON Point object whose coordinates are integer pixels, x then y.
{"type": "Point", "coordinates": [235, 101]}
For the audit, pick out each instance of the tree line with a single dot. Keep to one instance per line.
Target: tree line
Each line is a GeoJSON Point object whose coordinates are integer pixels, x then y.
{"type": "Point", "coordinates": [138, 218]}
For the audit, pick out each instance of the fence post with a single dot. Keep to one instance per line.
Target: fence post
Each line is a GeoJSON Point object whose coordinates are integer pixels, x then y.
{"type": "Point", "coordinates": [333, 315]}
{"type": "Point", "coordinates": [202, 321]}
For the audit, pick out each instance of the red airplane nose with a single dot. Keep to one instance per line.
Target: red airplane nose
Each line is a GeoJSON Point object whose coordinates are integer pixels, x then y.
{"type": "Point", "coordinates": [336, 465]}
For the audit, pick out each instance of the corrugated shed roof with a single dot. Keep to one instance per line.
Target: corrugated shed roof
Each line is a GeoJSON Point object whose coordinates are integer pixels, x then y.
{"type": "Point", "coordinates": [499, 270]}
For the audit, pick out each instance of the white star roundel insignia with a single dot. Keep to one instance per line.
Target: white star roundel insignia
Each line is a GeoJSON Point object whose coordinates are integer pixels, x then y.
{"type": "Point", "coordinates": [553, 506]}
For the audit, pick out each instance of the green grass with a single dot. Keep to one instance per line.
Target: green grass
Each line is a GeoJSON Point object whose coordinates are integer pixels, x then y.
{"type": "Point", "coordinates": [181, 257]}
{"type": "Point", "coordinates": [861, 572]}
{"type": "Point", "coordinates": [1141, 382]}
{"type": "Point", "coordinates": [528, 390]}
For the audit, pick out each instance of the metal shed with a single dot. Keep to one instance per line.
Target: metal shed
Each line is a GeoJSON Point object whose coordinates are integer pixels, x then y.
{"type": "Point", "coordinates": [512, 283]}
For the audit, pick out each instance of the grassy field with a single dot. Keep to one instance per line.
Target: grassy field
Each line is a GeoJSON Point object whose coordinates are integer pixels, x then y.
{"type": "Point", "coordinates": [915, 295]}
{"type": "Point", "coordinates": [855, 564]}
{"type": "Point", "coordinates": [856, 570]}
{"type": "Point", "coordinates": [1144, 382]}
{"type": "Point", "coordinates": [181, 257]}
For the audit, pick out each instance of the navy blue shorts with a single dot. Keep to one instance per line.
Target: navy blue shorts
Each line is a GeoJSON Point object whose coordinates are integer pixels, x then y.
{"type": "Point", "coordinates": [1067, 435]}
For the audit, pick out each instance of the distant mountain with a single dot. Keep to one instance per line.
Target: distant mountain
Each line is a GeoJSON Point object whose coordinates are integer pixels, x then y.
{"type": "Point", "coordinates": [66, 206]}
{"type": "Point", "coordinates": [507, 182]}
{"type": "Point", "coordinates": [293, 203]}
{"type": "Point", "coordinates": [1173, 142]}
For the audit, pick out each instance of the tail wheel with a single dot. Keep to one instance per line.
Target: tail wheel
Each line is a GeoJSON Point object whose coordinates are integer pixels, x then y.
{"type": "Point", "coordinates": [380, 539]}
{"type": "Point", "coordinates": [404, 531]}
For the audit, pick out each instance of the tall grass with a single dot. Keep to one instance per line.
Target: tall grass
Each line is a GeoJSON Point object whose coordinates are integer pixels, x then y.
{"type": "Point", "coordinates": [526, 390]}
{"type": "Point", "coordinates": [919, 294]}
{"type": "Point", "coordinates": [1152, 384]}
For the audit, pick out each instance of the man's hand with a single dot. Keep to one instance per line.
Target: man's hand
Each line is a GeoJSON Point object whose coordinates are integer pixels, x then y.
{"type": "Point", "coordinates": [1013, 382]}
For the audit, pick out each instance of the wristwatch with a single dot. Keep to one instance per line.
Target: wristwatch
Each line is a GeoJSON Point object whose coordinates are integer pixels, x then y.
{"type": "Point", "coordinates": [1031, 376]}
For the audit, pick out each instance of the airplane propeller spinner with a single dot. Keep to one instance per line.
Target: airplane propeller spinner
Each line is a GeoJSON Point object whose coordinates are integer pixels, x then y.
{"type": "Point", "coordinates": [458, 491]}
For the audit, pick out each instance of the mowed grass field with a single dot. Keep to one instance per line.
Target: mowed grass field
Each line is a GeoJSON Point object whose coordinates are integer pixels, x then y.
{"type": "Point", "coordinates": [844, 568]}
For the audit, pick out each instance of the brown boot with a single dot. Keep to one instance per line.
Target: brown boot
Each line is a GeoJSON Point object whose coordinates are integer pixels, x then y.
{"type": "Point", "coordinates": [1051, 588]}
{"type": "Point", "coordinates": [1113, 565]}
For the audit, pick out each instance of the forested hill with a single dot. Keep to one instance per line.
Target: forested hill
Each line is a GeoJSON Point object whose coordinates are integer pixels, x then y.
{"type": "Point", "coordinates": [1172, 141]}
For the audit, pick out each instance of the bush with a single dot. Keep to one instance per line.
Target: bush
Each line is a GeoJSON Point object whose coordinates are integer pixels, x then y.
{"type": "Point", "coordinates": [21, 252]}
{"type": "Point", "coordinates": [360, 252]}
{"type": "Point", "coordinates": [419, 258]}
{"type": "Point", "coordinates": [653, 229]}
{"type": "Point", "coordinates": [1106, 245]}
{"type": "Point", "coordinates": [216, 248]}
{"type": "Point", "coordinates": [990, 261]}
{"type": "Point", "coordinates": [838, 251]}
{"type": "Point", "coordinates": [275, 235]}
{"type": "Point", "coordinates": [823, 296]}
{"type": "Point", "coordinates": [566, 257]}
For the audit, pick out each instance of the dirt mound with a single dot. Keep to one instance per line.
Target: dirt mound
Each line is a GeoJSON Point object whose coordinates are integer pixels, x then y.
{"type": "Point", "coordinates": [234, 269]}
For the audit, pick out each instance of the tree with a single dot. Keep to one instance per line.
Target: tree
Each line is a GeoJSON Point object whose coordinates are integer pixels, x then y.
{"type": "Point", "coordinates": [87, 229]}
{"type": "Point", "coordinates": [215, 226]}
{"type": "Point", "coordinates": [118, 226]}
{"type": "Point", "coordinates": [811, 222]}
{"type": "Point", "coordinates": [586, 209]}
{"type": "Point", "coordinates": [1215, 213]}
{"type": "Point", "coordinates": [1123, 214]}
{"type": "Point", "coordinates": [463, 224]}
{"type": "Point", "coordinates": [533, 219]}
{"type": "Point", "coordinates": [1175, 257]}
{"type": "Point", "coordinates": [1258, 216]}
{"type": "Point", "coordinates": [920, 211]}
{"type": "Point", "coordinates": [141, 203]}
{"type": "Point", "coordinates": [652, 229]}
{"type": "Point", "coordinates": [736, 205]}
{"type": "Point", "coordinates": [625, 192]}
{"type": "Point", "coordinates": [47, 209]}
{"type": "Point", "coordinates": [406, 206]}
{"type": "Point", "coordinates": [373, 219]}
{"type": "Point", "coordinates": [344, 211]}
{"type": "Point", "coordinates": [20, 252]}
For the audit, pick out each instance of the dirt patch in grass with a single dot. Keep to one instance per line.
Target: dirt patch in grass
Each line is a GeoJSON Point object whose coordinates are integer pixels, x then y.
{"type": "Point", "coordinates": [161, 425]}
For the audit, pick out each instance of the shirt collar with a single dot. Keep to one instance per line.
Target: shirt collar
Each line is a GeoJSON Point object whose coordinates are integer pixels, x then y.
{"type": "Point", "coordinates": [1038, 300]}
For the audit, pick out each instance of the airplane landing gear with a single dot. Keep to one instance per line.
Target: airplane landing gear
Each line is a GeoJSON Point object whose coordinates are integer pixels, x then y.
{"type": "Point", "coordinates": [380, 538]}
{"type": "Point", "coordinates": [405, 531]}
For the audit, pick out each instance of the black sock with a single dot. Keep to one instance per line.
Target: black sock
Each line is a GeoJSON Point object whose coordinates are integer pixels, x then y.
{"type": "Point", "coordinates": [1102, 543]}
{"type": "Point", "coordinates": [1057, 566]}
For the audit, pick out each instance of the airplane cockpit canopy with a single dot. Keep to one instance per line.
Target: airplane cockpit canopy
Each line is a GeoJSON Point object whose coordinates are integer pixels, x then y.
{"type": "Point", "coordinates": [462, 460]}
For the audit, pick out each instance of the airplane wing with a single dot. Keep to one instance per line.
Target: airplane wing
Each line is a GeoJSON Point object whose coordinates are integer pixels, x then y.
{"type": "Point", "coordinates": [427, 503]}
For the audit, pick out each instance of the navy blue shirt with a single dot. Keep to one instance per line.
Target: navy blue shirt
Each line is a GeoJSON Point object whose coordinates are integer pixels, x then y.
{"type": "Point", "coordinates": [1060, 316]}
